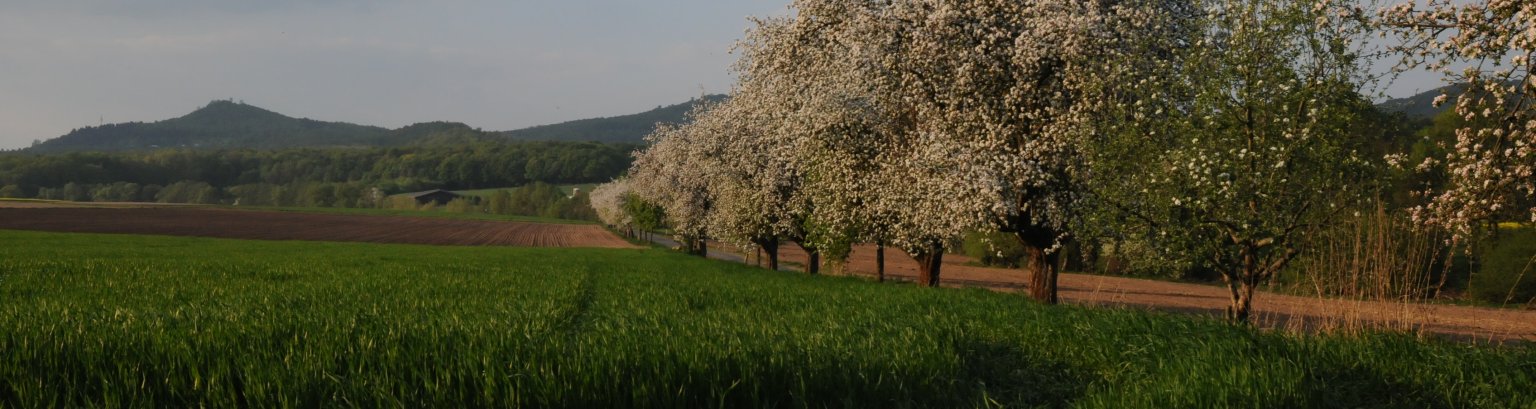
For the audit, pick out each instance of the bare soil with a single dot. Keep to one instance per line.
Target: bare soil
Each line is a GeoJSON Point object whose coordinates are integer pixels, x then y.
{"type": "Point", "coordinates": [270, 225]}
{"type": "Point", "coordinates": [57, 204]}
{"type": "Point", "coordinates": [1271, 310]}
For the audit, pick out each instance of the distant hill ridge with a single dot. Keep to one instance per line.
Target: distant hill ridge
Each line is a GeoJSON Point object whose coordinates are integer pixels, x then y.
{"type": "Point", "coordinates": [626, 128]}
{"type": "Point", "coordinates": [1422, 105]}
{"type": "Point", "coordinates": [230, 124]}
{"type": "Point", "coordinates": [220, 124]}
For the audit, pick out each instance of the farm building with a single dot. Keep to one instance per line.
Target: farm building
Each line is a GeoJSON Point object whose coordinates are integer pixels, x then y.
{"type": "Point", "coordinates": [438, 196]}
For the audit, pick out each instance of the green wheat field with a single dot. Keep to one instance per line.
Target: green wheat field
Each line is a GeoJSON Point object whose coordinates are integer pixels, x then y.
{"type": "Point", "coordinates": [118, 320]}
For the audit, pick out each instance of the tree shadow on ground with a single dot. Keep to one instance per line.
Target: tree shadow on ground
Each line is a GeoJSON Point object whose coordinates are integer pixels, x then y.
{"type": "Point", "coordinates": [1011, 375]}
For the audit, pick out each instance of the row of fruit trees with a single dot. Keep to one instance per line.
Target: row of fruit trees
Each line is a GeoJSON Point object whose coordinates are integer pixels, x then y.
{"type": "Point", "coordinates": [1220, 132]}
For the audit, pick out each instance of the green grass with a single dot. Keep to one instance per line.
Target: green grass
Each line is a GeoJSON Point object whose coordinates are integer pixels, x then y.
{"type": "Point", "coordinates": [66, 202]}
{"type": "Point", "coordinates": [585, 187]}
{"type": "Point", "coordinates": [116, 320]}
{"type": "Point", "coordinates": [414, 213]}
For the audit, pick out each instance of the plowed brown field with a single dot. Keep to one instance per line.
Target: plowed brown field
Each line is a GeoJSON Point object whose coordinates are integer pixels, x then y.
{"type": "Point", "coordinates": [269, 225]}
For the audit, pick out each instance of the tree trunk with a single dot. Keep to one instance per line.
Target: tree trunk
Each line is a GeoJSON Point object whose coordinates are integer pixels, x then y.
{"type": "Point", "coordinates": [1042, 273]}
{"type": "Point", "coordinates": [880, 261]}
{"type": "Point", "coordinates": [1071, 258]}
{"type": "Point", "coordinates": [1042, 263]}
{"type": "Point", "coordinates": [928, 264]}
{"type": "Point", "coordinates": [812, 259]}
{"type": "Point", "coordinates": [773, 257]}
{"type": "Point", "coordinates": [1445, 269]}
{"type": "Point", "coordinates": [1240, 281]}
{"type": "Point", "coordinates": [1091, 254]}
{"type": "Point", "coordinates": [1242, 301]}
{"type": "Point", "coordinates": [771, 249]}
{"type": "Point", "coordinates": [695, 246]}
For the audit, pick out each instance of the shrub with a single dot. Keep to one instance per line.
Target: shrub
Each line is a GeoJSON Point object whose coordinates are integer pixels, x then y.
{"type": "Point", "coordinates": [461, 205]}
{"type": "Point", "coordinates": [994, 249]}
{"type": "Point", "coordinates": [1507, 273]}
{"type": "Point", "coordinates": [1139, 256]}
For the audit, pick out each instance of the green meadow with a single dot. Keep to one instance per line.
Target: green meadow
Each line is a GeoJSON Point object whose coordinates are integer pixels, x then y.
{"type": "Point", "coordinates": [119, 320]}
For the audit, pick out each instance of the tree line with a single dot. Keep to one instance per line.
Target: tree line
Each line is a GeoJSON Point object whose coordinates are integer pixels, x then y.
{"type": "Point", "coordinates": [340, 177]}
{"type": "Point", "coordinates": [1219, 134]}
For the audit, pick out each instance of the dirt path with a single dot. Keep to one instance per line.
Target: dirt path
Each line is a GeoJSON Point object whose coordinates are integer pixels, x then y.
{"type": "Point", "coordinates": [270, 225]}
{"type": "Point", "coordinates": [1270, 309]}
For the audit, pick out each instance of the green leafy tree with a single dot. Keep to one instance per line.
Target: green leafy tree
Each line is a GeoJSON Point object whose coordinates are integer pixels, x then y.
{"type": "Point", "coordinates": [501, 202]}
{"type": "Point", "coordinates": [1242, 145]}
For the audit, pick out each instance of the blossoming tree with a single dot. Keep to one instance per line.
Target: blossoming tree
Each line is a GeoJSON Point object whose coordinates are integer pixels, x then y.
{"type": "Point", "coordinates": [674, 172]}
{"type": "Point", "coordinates": [1240, 143]}
{"type": "Point", "coordinates": [608, 201]}
{"type": "Point", "coordinates": [1488, 45]}
{"type": "Point", "coordinates": [810, 77]}
{"type": "Point", "coordinates": [755, 185]}
{"type": "Point", "coordinates": [1002, 96]}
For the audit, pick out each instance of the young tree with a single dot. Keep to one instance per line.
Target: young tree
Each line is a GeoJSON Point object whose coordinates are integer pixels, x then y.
{"type": "Point", "coordinates": [12, 191]}
{"type": "Point", "coordinates": [647, 216]}
{"type": "Point", "coordinates": [1240, 144]}
{"type": "Point", "coordinates": [1489, 45]}
{"type": "Point", "coordinates": [501, 202]}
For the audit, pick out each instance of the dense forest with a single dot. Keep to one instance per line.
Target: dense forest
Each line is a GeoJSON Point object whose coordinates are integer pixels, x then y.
{"type": "Point", "coordinates": [341, 177]}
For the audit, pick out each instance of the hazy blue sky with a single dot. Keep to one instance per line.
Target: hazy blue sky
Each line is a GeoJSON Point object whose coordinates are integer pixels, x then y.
{"type": "Point", "coordinates": [497, 65]}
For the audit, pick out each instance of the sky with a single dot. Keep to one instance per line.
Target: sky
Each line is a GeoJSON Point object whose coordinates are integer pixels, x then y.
{"type": "Point", "coordinates": [492, 64]}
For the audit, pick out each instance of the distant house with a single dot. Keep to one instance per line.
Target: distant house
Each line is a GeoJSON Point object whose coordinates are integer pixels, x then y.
{"type": "Point", "coordinates": [438, 196]}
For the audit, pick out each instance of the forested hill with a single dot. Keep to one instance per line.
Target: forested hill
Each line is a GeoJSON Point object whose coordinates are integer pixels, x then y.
{"type": "Point", "coordinates": [229, 124]}
{"type": "Point", "coordinates": [220, 124]}
{"type": "Point", "coordinates": [1422, 106]}
{"type": "Point", "coordinates": [624, 129]}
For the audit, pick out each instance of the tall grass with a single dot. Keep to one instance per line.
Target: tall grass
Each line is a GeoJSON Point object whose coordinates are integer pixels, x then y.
{"type": "Point", "coordinates": [112, 320]}
{"type": "Point", "coordinates": [1368, 257]}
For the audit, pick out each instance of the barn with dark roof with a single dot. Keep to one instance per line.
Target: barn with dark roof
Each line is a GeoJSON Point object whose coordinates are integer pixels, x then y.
{"type": "Point", "coordinates": [438, 196]}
